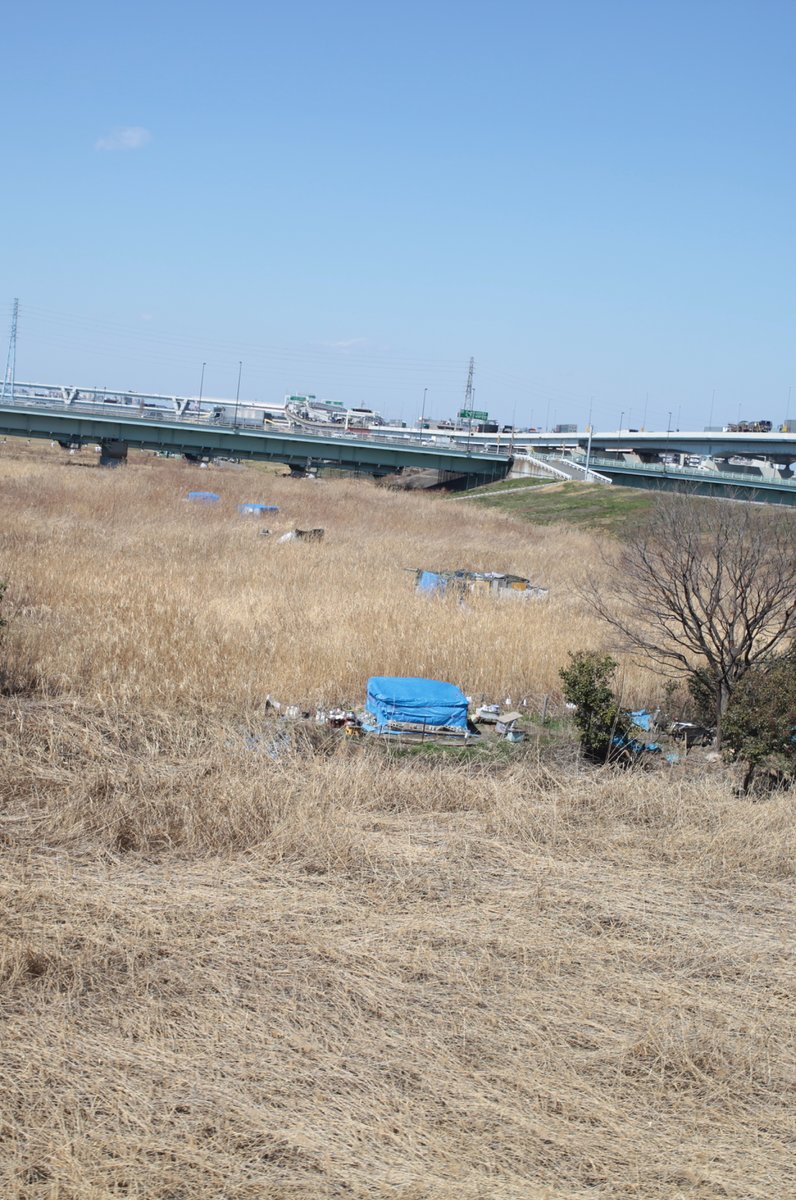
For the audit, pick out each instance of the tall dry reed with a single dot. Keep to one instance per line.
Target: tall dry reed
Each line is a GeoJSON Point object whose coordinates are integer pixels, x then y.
{"type": "Point", "coordinates": [122, 591]}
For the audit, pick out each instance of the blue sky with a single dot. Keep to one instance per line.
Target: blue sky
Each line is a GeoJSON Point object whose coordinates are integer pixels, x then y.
{"type": "Point", "coordinates": [594, 199]}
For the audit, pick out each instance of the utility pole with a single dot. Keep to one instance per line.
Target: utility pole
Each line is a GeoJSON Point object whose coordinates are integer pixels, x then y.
{"type": "Point", "coordinates": [201, 385]}
{"type": "Point", "coordinates": [423, 409]}
{"type": "Point", "coordinates": [237, 394]}
{"type": "Point", "coordinates": [11, 360]}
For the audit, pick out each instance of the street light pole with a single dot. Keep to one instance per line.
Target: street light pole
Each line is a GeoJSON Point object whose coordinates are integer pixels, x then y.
{"type": "Point", "coordinates": [621, 417]}
{"type": "Point", "coordinates": [423, 409]}
{"type": "Point", "coordinates": [201, 385]}
{"type": "Point", "coordinates": [237, 394]}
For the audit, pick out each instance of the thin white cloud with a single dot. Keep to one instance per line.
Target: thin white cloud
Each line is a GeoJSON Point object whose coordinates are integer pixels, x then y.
{"type": "Point", "coordinates": [346, 343]}
{"type": "Point", "coordinates": [124, 137]}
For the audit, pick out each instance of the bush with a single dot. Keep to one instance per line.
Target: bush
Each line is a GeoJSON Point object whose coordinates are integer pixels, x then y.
{"type": "Point", "coordinates": [760, 723]}
{"type": "Point", "coordinates": [598, 716]}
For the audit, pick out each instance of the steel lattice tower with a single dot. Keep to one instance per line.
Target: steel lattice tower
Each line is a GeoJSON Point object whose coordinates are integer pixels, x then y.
{"type": "Point", "coordinates": [469, 391]}
{"type": "Point", "coordinates": [11, 360]}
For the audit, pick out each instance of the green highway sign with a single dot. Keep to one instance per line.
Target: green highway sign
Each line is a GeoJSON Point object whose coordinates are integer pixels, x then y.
{"type": "Point", "coordinates": [472, 414]}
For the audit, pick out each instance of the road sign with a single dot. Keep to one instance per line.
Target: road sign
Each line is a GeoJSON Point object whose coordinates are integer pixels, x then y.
{"type": "Point", "coordinates": [472, 414]}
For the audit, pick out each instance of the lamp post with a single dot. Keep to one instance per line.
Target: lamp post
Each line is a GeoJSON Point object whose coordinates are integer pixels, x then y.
{"type": "Point", "coordinates": [588, 444]}
{"type": "Point", "coordinates": [201, 385]}
{"type": "Point", "coordinates": [237, 394]}
{"type": "Point", "coordinates": [621, 418]}
{"type": "Point", "coordinates": [423, 409]}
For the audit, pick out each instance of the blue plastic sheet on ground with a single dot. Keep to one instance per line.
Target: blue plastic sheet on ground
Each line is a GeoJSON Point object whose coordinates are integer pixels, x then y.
{"type": "Point", "coordinates": [642, 719]}
{"type": "Point", "coordinates": [633, 745]}
{"type": "Point", "coordinates": [204, 497]}
{"type": "Point", "coordinates": [253, 509]}
{"type": "Point", "coordinates": [409, 700]}
{"type": "Point", "coordinates": [430, 581]}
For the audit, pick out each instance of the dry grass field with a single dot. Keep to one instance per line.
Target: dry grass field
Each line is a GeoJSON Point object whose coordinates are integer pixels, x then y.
{"type": "Point", "coordinates": [331, 970]}
{"type": "Point", "coordinates": [122, 591]}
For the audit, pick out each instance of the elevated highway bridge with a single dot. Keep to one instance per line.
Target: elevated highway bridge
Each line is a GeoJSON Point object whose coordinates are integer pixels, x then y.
{"type": "Point", "coordinates": [645, 445]}
{"type": "Point", "coordinates": [196, 437]}
{"type": "Point", "coordinates": [748, 485]}
{"type": "Point", "coordinates": [754, 465]}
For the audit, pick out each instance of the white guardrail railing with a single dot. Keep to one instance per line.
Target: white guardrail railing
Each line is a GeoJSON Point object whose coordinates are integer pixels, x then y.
{"type": "Point", "coordinates": [589, 475]}
{"type": "Point", "coordinates": [545, 466]}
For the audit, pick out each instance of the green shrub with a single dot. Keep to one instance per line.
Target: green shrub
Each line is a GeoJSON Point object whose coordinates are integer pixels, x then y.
{"type": "Point", "coordinates": [760, 722]}
{"type": "Point", "coordinates": [598, 715]}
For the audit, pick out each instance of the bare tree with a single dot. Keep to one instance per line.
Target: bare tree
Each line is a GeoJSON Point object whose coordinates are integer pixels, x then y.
{"type": "Point", "coordinates": [707, 584]}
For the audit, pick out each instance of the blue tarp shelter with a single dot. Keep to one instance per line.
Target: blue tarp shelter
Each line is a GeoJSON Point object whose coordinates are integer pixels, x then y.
{"type": "Point", "coordinates": [402, 700]}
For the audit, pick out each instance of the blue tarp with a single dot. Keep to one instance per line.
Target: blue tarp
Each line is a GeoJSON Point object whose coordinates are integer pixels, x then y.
{"type": "Point", "coordinates": [633, 745]}
{"type": "Point", "coordinates": [415, 701]}
{"type": "Point", "coordinates": [430, 581]}
{"type": "Point", "coordinates": [642, 719]}
{"type": "Point", "coordinates": [253, 509]}
{"type": "Point", "coordinates": [205, 497]}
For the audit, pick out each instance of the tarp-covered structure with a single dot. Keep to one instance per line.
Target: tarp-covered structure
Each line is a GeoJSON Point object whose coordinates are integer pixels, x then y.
{"type": "Point", "coordinates": [398, 704]}
{"type": "Point", "coordinates": [440, 582]}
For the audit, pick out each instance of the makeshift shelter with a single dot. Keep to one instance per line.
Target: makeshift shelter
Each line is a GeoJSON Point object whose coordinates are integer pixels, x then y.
{"type": "Point", "coordinates": [302, 535]}
{"type": "Point", "coordinates": [403, 704]}
{"type": "Point", "coordinates": [496, 583]}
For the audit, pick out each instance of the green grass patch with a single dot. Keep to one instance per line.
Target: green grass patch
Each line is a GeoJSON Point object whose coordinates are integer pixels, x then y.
{"type": "Point", "coordinates": [510, 485]}
{"type": "Point", "coordinates": [593, 505]}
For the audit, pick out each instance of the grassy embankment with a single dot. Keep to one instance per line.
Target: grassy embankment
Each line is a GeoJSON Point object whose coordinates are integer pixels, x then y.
{"type": "Point", "coordinates": [602, 507]}
{"type": "Point", "coordinates": [336, 973]}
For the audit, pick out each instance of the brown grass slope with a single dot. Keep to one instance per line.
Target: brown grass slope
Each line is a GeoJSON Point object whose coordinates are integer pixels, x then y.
{"type": "Point", "coordinates": [341, 972]}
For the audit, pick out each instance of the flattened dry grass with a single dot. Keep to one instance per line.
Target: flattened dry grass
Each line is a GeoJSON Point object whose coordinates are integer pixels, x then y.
{"type": "Point", "coordinates": [245, 967]}
{"type": "Point", "coordinates": [333, 975]}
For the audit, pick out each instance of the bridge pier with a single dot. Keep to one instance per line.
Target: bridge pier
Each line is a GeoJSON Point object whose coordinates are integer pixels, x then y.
{"type": "Point", "coordinates": [113, 453]}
